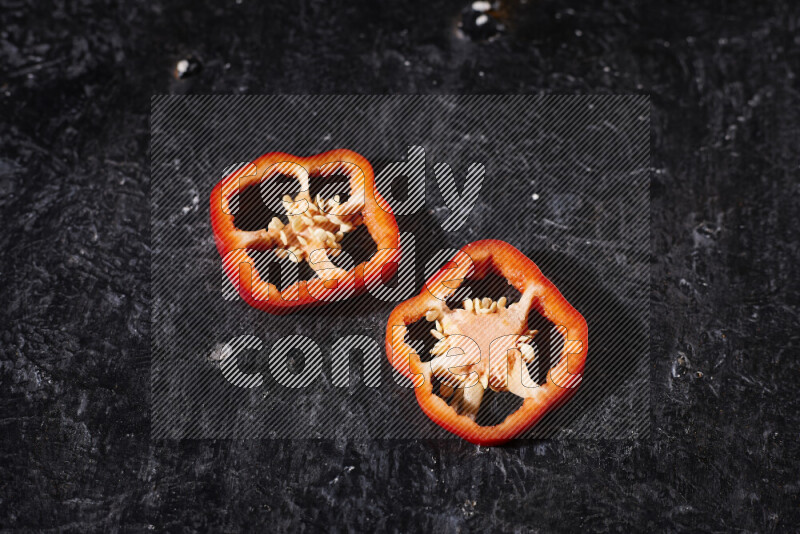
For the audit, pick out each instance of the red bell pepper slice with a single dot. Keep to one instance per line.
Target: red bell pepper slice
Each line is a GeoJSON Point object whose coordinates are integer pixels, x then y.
{"type": "Point", "coordinates": [486, 344]}
{"type": "Point", "coordinates": [312, 233]}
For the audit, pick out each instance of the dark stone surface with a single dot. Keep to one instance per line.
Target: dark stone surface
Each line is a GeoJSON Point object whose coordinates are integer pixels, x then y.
{"type": "Point", "coordinates": [75, 84]}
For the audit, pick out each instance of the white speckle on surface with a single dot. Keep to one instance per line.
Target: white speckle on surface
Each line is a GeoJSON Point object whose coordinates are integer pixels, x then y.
{"type": "Point", "coordinates": [193, 207]}
{"type": "Point", "coordinates": [407, 63]}
{"type": "Point", "coordinates": [182, 67]}
{"type": "Point", "coordinates": [481, 74]}
{"type": "Point", "coordinates": [481, 6]}
{"type": "Point", "coordinates": [535, 196]}
{"type": "Point", "coordinates": [481, 20]}
{"type": "Point", "coordinates": [83, 403]}
{"type": "Point", "coordinates": [220, 352]}
{"type": "Point", "coordinates": [578, 33]}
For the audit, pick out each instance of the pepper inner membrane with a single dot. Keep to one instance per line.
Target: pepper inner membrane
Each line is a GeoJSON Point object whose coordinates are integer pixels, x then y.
{"type": "Point", "coordinates": [313, 224]}
{"type": "Point", "coordinates": [465, 331]}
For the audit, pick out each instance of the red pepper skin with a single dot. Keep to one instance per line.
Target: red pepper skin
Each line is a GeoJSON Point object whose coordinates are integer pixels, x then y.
{"type": "Point", "coordinates": [498, 257]}
{"type": "Point", "coordinates": [377, 217]}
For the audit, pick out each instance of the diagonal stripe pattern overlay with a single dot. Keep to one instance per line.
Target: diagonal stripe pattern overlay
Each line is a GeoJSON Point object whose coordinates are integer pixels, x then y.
{"type": "Point", "coordinates": [565, 179]}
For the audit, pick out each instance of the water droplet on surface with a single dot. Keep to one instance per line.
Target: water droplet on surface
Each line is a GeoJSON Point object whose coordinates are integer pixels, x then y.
{"type": "Point", "coordinates": [187, 67]}
{"type": "Point", "coordinates": [478, 24]}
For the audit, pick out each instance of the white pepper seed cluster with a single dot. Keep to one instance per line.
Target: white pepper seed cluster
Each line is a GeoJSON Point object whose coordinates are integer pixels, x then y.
{"type": "Point", "coordinates": [321, 227]}
{"type": "Point", "coordinates": [481, 320]}
{"type": "Point", "coordinates": [478, 307]}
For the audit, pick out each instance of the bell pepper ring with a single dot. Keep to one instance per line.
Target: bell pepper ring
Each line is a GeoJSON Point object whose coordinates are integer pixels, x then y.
{"type": "Point", "coordinates": [312, 232]}
{"type": "Point", "coordinates": [483, 327]}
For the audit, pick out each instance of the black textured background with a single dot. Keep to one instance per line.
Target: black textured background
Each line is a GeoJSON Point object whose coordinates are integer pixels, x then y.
{"type": "Point", "coordinates": [75, 86]}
